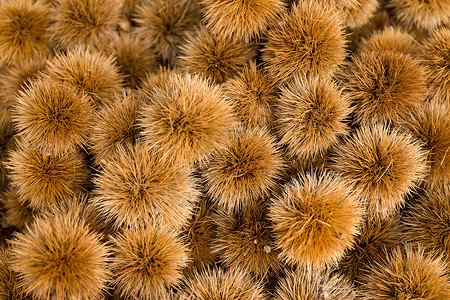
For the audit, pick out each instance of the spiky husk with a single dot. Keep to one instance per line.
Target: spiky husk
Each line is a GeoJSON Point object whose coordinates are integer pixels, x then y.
{"type": "Point", "coordinates": [84, 23]}
{"type": "Point", "coordinates": [186, 119]}
{"type": "Point", "coordinates": [59, 257]}
{"type": "Point", "coordinates": [316, 219]}
{"type": "Point", "coordinates": [406, 275]}
{"type": "Point", "coordinates": [24, 30]}
{"type": "Point", "coordinates": [308, 41]}
{"type": "Point", "coordinates": [137, 185]}
{"type": "Point", "coordinates": [147, 261]}
{"type": "Point", "coordinates": [53, 117]}
{"type": "Point", "coordinates": [243, 20]}
{"type": "Point", "coordinates": [382, 165]}
{"type": "Point", "coordinates": [385, 86]}
{"type": "Point", "coordinates": [42, 180]}
{"type": "Point", "coordinates": [217, 57]}
{"type": "Point", "coordinates": [310, 116]}
{"type": "Point", "coordinates": [245, 170]}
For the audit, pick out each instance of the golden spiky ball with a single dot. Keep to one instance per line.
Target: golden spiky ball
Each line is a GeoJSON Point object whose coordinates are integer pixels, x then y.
{"type": "Point", "coordinates": [147, 261]}
{"type": "Point", "coordinates": [200, 234]}
{"type": "Point", "coordinates": [310, 284]}
{"type": "Point", "coordinates": [42, 180]}
{"type": "Point", "coordinates": [217, 57]}
{"type": "Point", "coordinates": [309, 40]}
{"type": "Point", "coordinates": [16, 77]}
{"type": "Point", "coordinates": [246, 169]}
{"type": "Point", "coordinates": [245, 241]}
{"type": "Point", "coordinates": [9, 285]}
{"type": "Point", "coordinates": [253, 95]}
{"type": "Point", "coordinates": [310, 116]}
{"type": "Point", "coordinates": [89, 72]}
{"type": "Point", "coordinates": [137, 185]}
{"type": "Point", "coordinates": [24, 30]}
{"type": "Point", "coordinates": [436, 56]}
{"type": "Point", "coordinates": [407, 274]}
{"type": "Point", "coordinates": [316, 218]}
{"type": "Point", "coordinates": [431, 125]}
{"type": "Point", "coordinates": [390, 39]}
{"type": "Point", "coordinates": [427, 222]}
{"type": "Point", "coordinates": [215, 283]}
{"type": "Point", "coordinates": [84, 23]}
{"type": "Point", "coordinates": [18, 214]}
{"type": "Point", "coordinates": [115, 125]}
{"type": "Point", "coordinates": [60, 258]}
{"type": "Point", "coordinates": [425, 15]}
{"type": "Point", "coordinates": [378, 236]}
{"type": "Point", "coordinates": [133, 58]}
{"type": "Point", "coordinates": [186, 118]}
{"type": "Point", "coordinates": [382, 165]}
{"type": "Point", "coordinates": [53, 117]}
{"type": "Point", "coordinates": [243, 20]}
{"type": "Point", "coordinates": [164, 25]}
{"type": "Point", "coordinates": [384, 86]}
